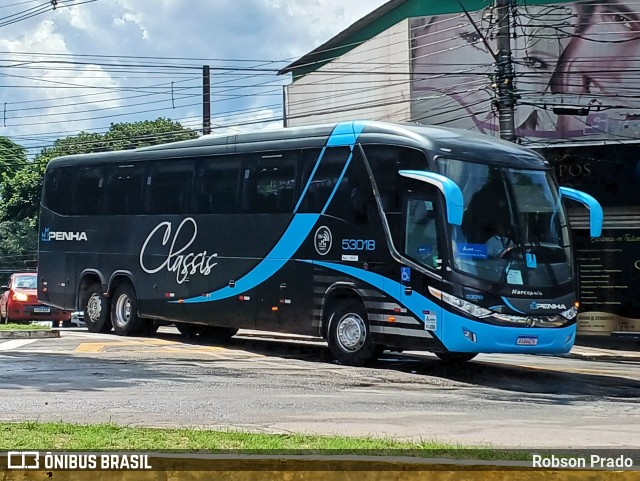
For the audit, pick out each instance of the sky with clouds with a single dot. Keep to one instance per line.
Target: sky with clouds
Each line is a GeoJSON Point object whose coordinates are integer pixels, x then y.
{"type": "Point", "coordinates": [88, 63]}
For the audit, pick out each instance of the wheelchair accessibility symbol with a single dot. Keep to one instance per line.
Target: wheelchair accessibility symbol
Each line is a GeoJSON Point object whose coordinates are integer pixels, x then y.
{"type": "Point", "coordinates": [405, 274]}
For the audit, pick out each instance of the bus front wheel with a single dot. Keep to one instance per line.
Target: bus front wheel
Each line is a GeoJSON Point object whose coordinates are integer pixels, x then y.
{"type": "Point", "coordinates": [124, 312]}
{"type": "Point", "coordinates": [455, 357]}
{"type": "Point", "coordinates": [96, 310]}
{"type": "Point", "coordinates": [349, 336]}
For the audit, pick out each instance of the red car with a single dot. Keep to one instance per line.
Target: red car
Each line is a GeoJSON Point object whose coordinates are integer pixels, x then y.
{"type": "Point", "coordinates": [19, 302]}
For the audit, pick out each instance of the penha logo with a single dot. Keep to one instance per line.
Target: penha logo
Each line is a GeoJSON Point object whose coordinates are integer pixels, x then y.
{"type": "Point", "coordinates": [536, 305]}
{"type": "Point", "coordinates": [323, 240]}
{"type": "Point", "coordinates": [48, 235]}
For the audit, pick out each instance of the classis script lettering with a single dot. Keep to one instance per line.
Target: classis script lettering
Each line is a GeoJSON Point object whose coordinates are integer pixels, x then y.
{"type": "Point", "coordinates": [177, 259]}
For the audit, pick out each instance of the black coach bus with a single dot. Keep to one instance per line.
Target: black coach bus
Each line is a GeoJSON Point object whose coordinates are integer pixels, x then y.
{"type": "Point", "coordinates": [372, 235]}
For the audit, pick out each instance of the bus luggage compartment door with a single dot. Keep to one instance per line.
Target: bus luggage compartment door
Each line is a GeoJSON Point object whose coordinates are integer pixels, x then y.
{"type": "Point", "coordinates": [285, 301]}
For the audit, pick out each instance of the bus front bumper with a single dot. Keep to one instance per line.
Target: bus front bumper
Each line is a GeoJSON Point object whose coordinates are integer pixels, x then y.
{"type": "Point", "coordinates": [465, 335]}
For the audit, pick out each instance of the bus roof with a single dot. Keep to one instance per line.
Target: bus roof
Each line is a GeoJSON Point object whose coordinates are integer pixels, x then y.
{"type": "Point", "coordinates": [452, 143]}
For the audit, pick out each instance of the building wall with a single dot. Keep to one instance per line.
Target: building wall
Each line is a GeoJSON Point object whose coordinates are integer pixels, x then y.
{"type": "Point", "coordinates": [371, 82]}
{"type": "Point", "coordinates": [569, 56]}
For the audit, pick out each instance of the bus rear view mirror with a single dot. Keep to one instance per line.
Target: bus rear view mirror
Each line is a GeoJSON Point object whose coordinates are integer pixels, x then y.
{"type": "Point", "coordinates": [450, 190]}
{"type": "Point", "coordinates": [595, 209]}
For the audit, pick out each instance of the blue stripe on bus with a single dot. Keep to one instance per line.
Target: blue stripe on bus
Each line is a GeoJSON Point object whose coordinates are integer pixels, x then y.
{"type": "Point", "coordinates": [511, 306]}
{"type": "Point", "coordinates": [344, 134]}
{"type": "Point", "coordinates": [416, 302]}
{"type": "Point", "coordinates": [335, 187]}
{"type": "Point", "coordinates": [313, 172]}
{"type": "Point", "coordinates": [289, 243]}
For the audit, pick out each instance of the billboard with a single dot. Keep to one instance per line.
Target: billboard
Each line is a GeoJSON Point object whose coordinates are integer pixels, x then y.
{"type": "Point", "coordinates": [571, 55]}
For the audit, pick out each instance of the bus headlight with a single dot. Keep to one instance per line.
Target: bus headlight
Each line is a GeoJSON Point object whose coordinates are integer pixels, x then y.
{"type": "Point", "coordinates": [461, 304]}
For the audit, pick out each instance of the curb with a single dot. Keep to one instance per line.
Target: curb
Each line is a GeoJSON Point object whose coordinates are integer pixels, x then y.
{"type": "Point", "coordinates": [603, 357]}
{"type": "Point", "coordinates": [27, 334]}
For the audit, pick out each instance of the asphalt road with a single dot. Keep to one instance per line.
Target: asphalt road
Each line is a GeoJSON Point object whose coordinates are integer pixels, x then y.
{"type": "Point", "coordinates": [268, 384]}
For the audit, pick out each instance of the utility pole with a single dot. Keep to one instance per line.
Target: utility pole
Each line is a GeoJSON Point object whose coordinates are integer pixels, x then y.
{"type": "Point", "coordinates": [206, 100]}
{"type": "Point", "coordinates": [504, 72]}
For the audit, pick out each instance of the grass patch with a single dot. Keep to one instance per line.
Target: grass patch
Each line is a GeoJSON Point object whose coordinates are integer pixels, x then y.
{"type": "Point", "coordinates": [22, 327]}
{"type": "Point", "coordinates": [102, 437]}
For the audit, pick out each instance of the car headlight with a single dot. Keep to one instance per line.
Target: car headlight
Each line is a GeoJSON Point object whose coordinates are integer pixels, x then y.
{"type": "Point", "coordinates": [461, 304]}
{"type": "Point", "coordinates": [20, 296]}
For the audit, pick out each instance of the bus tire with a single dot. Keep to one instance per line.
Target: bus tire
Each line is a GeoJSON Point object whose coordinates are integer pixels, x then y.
{"type": "Point", "coordinates": [216, 334]}
{"type": "Point", "coordinates": [349, 336]}
{"type": "Point", "coordinates": [124, 312]}
{"type": "Point", "coordinates": [455, 357]}
{"type": "Point", "coordinates": [96, 310]}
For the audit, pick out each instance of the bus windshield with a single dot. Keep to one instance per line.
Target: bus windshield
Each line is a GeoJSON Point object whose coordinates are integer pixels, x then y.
{"type": "Point", "coordinates": [514, 231]}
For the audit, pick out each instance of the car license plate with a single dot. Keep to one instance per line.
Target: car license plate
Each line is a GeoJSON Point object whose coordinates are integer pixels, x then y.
{"type": "Point", "coordinates": [527, 341]}
{"type": "Point", "coordinates": [41, 309]}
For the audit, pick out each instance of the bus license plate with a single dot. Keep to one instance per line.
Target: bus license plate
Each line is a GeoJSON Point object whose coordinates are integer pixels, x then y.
{"type": "Point", "coordinates": [41, 309]}
{"type": "Point", "coordinates": [527, 341]}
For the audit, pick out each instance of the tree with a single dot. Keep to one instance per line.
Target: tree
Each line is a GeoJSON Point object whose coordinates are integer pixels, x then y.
{"type": "Point", "coordinates": [12, 155]}
{"type": "Point", "coordinates": [133, 135]}
{"type": "Point", "coordinates": [21, 194]}
{"type": "Point", "coordinates": [18, 248]}
{"type": "Point", "coordinates": [120, 136]}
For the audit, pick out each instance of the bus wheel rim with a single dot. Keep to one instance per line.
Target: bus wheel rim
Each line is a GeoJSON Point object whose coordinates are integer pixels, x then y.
{"type": "Point", "coordinates": [94, 307]}
{"type": "Point", "coordinates": [123, 311]}
{"type": "Point", "coordinates": [351, 332]}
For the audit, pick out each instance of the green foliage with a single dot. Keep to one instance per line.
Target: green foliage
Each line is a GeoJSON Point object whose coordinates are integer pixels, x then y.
{"type": "Point", "coordinates": [21, 194]}
{"type": "Point", "coordinates": [133, 135]}
{"type": "Point", "coordinates": [18, 244]}
{"type": "Point", "coordinates": [12, 156]}
{"type": "Point", "coordinates": [121, 136]}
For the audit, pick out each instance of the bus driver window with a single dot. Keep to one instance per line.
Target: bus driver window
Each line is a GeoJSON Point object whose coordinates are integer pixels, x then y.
{"type": "Point", "coordinates": [421, 233]}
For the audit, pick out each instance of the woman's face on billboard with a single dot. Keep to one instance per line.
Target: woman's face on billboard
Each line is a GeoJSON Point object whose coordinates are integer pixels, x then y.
{"type": "Point", "coordinates": [600, 59]}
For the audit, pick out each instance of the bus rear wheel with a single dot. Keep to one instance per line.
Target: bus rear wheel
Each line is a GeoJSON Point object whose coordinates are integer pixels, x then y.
{"type": "Point", "coordinates": [124, 312]}
{"type": "Point", "coordinates": [349, 336]}
{"type": "Point", "coordinates": [455, 357]}
{"type": "Point", "coordinates": [96, 310]}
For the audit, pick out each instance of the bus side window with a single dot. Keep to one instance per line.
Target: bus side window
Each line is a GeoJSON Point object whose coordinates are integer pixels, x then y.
{"type": "Point", "coordinates": [421, 229]}
{"type": "Point", "coordinates": [58, 190]}
{"type": "Point", "coordinates": [124, 189]}
{"type": "Point", "coordinates": [218, 185]}
{"type": "Point", "coordinates": [323, 183]}
{"type": "Point", "coordinates": [270, 183]}
{"type": "Point", "coordinates": [87, 190]}
{"type": "Point", "coordinates": [385, 162]}
{"type": "Point", "coordinates": [353, 200]}
{"type": "Point", "coordinates": [169, 187]}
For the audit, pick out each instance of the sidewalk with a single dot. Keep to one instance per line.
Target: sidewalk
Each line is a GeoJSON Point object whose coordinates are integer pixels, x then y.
{"type": "Point", "coordinates": [600, 354]}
